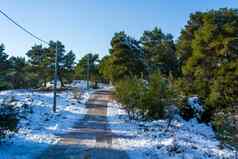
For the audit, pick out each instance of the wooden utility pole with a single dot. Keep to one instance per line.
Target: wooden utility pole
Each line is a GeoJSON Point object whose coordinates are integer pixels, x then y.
{"type": "Point", "coordinates": [88, 71]}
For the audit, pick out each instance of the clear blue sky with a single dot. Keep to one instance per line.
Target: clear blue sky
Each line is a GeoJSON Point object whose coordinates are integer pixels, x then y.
{"type": "Point", "coordinates": [88, 25]}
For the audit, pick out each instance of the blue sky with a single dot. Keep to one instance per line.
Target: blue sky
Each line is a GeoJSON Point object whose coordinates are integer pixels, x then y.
{"type": "Point", "coordinates": [88, 25]}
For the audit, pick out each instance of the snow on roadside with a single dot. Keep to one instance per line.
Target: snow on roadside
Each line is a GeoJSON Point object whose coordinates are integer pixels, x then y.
{"type": "Point", "coordinates": [149, 140]}
{"type": "Point", "coordinates": [38, 128]}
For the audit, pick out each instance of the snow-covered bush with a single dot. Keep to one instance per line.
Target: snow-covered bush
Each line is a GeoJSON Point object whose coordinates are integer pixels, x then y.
{"type": "Point", "coordinates": [11, 111]}
{"type": "Point", "coordinates": [191, 107]}
{"type": "Point", "coordinates": [8, 116]}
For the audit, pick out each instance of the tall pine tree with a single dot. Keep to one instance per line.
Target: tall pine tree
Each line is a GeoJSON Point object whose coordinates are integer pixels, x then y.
{"type": "Point", "coordinates": [160, 52]}
{"type": "Point", "coordinates": [4, 68]}
{"type": "Point", "coordinates": [211, 69]}
{"type": "Point", "coordinates": [126, 58]}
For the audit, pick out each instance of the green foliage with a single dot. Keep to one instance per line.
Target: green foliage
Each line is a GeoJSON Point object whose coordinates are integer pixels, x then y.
{"type": "Point", "coordinates": [67, 69]}
{"type": "Point", "coordinates": [126, 58]}
{"type": "Point", "coordinates": [88, 64]}
{"type": "Point", "coordinates": [184, 44]}
{"type": "Point", "coordinates": [39, 63]}
{"type": "Point", "coordinates": [4, 64]}
{"type": "Point", "coordinates": [225, 123]}
{"type": "Point", "coordinates": [146, 99]}
{"type": "Point", "coordinates": [159, 51]}
{"type": "Point", "coordinates": [104, 68]}
{"type": "Point", "coordinates": [4, 84]}
{"type": "Point", "coordinates": [65, 61]}
{"type": "Point", "coordinates": [8, 122]}
{"type": "Point", "coordinates": [131, 93]}
{"type": "Point", "coordinates": [42, 62]}
{"type": "Point", "coordinates": [4, 68]}
{"type": "Point", "coordinates": [224, 90]}
{"type": "Point", "coordinates": [159, 95]}
{"type": "Point", "coordinates": [16, 72]}
{"type": "Point", "coordinates": [19, 75]}
{"type": "Point", "coordinates": [210, 64]}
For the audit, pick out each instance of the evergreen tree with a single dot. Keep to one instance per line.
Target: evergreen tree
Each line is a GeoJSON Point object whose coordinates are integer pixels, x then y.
{"type": "Point", "coordinates": [184, 44]}
{"type": "Point", "coordinates": [68, 67]}
{"type": "Point", "coordinates": [39, 63]}
{"type": "Point", "coordinates": [51, 52]}
{"type": "Point", "coordinates": [4, 63]}
{"type": "Point", "coordinates": [159, 51]}
{"type": "Point", "coordinates": [104, 68]}
{"type": "Point", "coordinates": [89, 61]}
{"type": "Point", "coordinates": [4, 68]}
{"type": "Point", "coordinates": [210, 70]}
{"type": "Point", "coordinates": [126, 58]}
{"type": "Point", "coordinates": [42, 61]}
{"type": "Point", "coordinates": [19, 75]}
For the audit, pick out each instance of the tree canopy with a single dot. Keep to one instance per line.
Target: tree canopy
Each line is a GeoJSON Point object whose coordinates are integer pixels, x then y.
{"type": "Point", "coordinates": [160, 52]}
{"type": "Point", "coordinates": [126, 58]}
{"type": "Point", "coordinates": [211, 63]}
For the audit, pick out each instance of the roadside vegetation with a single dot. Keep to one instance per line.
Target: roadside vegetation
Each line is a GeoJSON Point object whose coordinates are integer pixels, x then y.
{"type": "Point", "coordinates": [202, 64]}
{"type": "Point", "coordinates": [146, 99]}
{"type": "Point", "coordinates": [152, 73]}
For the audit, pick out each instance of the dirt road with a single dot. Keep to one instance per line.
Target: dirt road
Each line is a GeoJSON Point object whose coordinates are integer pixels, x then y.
{"type": "Point", "coordinates": [91, 137]}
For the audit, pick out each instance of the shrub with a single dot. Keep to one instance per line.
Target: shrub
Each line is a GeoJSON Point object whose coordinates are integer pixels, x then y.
{"type": "Point", "coordinates": [8, 117]}
{"type": "Point", "coordinates": [225, 123]}
{"type": "Point", "coordinates": [224, 90]}
{"type": "Point", "coordinates": [191, 107]}
{"type": "Point", "coordinates": [147, 99]}
{"type": "Point", "coordinates": [130, 92]}
{"type": "Point", "coordinates": [159, 95]}
{"type": "Point", "coordinates": [4, 85]}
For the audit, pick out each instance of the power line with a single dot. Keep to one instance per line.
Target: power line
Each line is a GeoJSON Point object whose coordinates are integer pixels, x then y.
{"type": "Point", "coordinates": [43, 41]}
{"type": "Point", "coordinates": [24, 29]}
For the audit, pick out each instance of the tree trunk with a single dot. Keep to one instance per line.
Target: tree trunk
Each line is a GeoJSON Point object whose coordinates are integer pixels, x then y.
{"type": "Point", "coordinates": [44, 84]}
{"type": "Point", "coordinates": [61, 81]}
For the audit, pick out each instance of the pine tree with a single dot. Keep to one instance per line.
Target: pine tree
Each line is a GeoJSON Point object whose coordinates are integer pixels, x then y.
{"type": "Point", "coordinates": [39, 64]}
{"type": "Point", "coordinates": [69, 65]}
{"type": "Point", "coordinates": [90, 60]}
{"type": "Point", "coordinates": [126, 58]}
{"type": "Point", "coordinates": [42, 61]}
{"type": "Point", "coordinates": [210, 70]}
{"type": "Point", "coordinates": [159, 51]}
{"type": "Point", "coordinates": [184, 44]}
{"type": "Point", "coordinates": [18, 74]}
{"type": "Point", "coordinates": [104, 70]}
{"type": "Point", "coordinates": [4, 68]}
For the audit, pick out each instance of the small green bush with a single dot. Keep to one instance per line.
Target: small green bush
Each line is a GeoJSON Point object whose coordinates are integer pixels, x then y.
{"type": "Point", "coordinates": [225, 123]}
{"type": "Point", "coordinates": [8, 122]}
{"type": "Point", "coordinates": [147, 99]}
{"type": "Point", "coordinates": [4, 85]}
{"type": "Point", "coordinates": [159, 95]}
{"type": "Point", "coordinates": [131, 93]}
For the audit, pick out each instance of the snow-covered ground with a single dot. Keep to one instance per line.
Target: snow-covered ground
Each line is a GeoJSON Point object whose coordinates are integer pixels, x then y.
{"type": "Point", "coordinates": [38, 127]}
{"type": "Point", "coordinates": [150, 140]}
